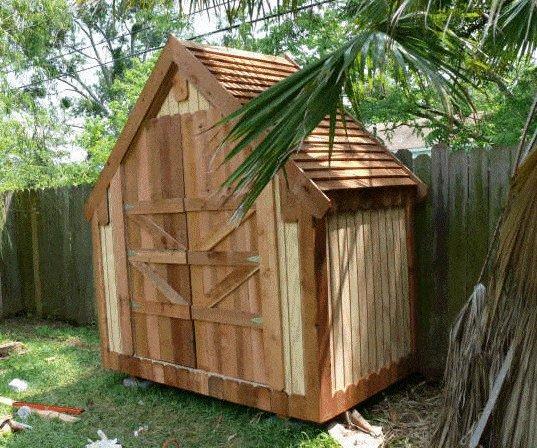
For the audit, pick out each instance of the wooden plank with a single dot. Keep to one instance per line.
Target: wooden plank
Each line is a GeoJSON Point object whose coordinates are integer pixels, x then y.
{"type": "Point", "coordinates": [312, 268]}
{"type": "Point", "coordinates": [156, 206]}
{"type": "Point", "coordinates": [270, 287]}
{"type": "Point", "coordinates": [222, 232]}
{"type": "Point", "coordinates": [306, 191]}
{"type": "Point", "coordinates": [341, 139]}
{"type": "Point", "coordinates": [370, 182]}
{"type": "Point", "coordinates": [159, 283]}
{"type": "Point", "coordinates": [377, 277]}
{"type": "Point", "coordinates": [212, 203]}
{"type": "Point", "coordinates": [179, 88]}
{"type": "Point", "coordinates": [38, 293]}
{"type": "Point", "coordinates": [361, 286]}
{"type": "Point", "coordinates": [342, 155]}
{"type": "Point", "coordinates": [248, 64]}
{"type": "Point", "coordinates": [370, 288]}
{"type": "Point", "coordinates": [412, 280]}
{"type": "Point", "coordinates": [147, 187]}
{"type": "Point", "coordinates": [230, 317]}
{"type": "Point", "coordinates": [344, 298]}
{"type": "Point", "coordinates": [158, 256]}
{"type": "Point", "coordinates": [385, 287]}
{"type": "Point", "coordinates": [441, 217]}
{"type": "Point", "coordinates": [344, 173]}
{"type": "Point", "coordinates": [284, 300]}
{"type": "Point", "coordinates": [110, 291]}
{"type": "Point", "coordinates": [349, 164]}
{"type": "Point", "coordinates": [98, 273]}
{"type": "Point", "coordinates": [153, 228]}
{"type": "Point", "coordinates": [133, 237]}
{"type": "Point", "coordinates": [294, 295]}
{"type": "Point", "coordinates": [230, 283]}
{"type": "Point", "coordinates": [82, 308]}
{"type": "Point", "coordinates": [397, 279]}
{"type": "Point", "coordinates": [423, 224]}
{"type": "Point", "coordinates": [197, 380]}
{"type": "Point", "coordinates": [162, 309]}
{"type": "Point", "coordinates": [121, 268]}
{"type": "Point", "coordinates": [477, 235]}
{"type": "Point", "coordinates": [354, 306]}
{"type": "Point", "coordinates": [336, 309]}
{"type": "Point", "coordinates": [457, 225]}
{"type": "Point", "coordinates": [222, 258]}
{"type": "Point", "coordinates": [405, 284]}
{"type": "Point", "coordinates": [102, 211]}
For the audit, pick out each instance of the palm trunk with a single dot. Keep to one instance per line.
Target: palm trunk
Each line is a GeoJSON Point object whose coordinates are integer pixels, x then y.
{"type": "Point", "coordinates": [490, 393]}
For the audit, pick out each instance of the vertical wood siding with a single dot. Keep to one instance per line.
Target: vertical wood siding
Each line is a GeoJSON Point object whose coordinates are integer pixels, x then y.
{"type": "Point", "coordinates": [110, 290]}
{"type": "Point", "coordinates": [291, 301]}
{"type": "Point", "coordinates": [369, 298]}
{"type": "Point", "coordinates": [194, 102]}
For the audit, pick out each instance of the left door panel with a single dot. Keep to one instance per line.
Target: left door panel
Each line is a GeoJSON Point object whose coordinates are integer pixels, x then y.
{"type": "Point", "coordinates": [156, 242]}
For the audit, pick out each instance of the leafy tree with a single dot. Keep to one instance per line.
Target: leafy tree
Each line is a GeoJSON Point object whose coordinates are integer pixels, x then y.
{"type": "Point", "coordinates": [42, 39]}
{"type": "Point", "coordinates": [100, 133]}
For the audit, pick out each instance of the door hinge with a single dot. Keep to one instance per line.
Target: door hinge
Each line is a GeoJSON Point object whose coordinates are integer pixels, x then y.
{"type": "Point", "coordinates": [257, 320]}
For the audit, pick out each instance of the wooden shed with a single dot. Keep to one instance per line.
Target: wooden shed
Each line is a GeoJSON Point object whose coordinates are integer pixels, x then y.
{"type": "Point", "coordinates": [306, 307]}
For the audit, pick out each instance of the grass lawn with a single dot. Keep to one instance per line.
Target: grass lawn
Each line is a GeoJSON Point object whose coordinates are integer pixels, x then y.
{"type": "Point", "coordinates": [62, 366]}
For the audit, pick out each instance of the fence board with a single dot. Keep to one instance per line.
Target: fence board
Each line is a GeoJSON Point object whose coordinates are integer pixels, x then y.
{"type": "Point", "coordinates": [456, 233]}
{"type": "Point", "coordinates": [453, 228]}
{"type": "Point", "coordinates": [45, 255]}
{"type": "Point", "coordinates": [477, 216]}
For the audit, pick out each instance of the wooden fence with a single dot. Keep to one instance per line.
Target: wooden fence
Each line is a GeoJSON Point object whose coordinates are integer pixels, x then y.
{"type": "Point", "coordinates": [453, 228]}
{"type": "Point", "coordinates": [45, 250]}
{"type": "Point", "coordinates": [45, 255]}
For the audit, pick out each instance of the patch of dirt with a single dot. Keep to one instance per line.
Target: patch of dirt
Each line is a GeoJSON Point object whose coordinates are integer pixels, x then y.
{"type": "Point", "coordinates": [408, 414]}
{"type": "Point", "coordinates": [74, 341]}
{"type": "Point", "coordinates": [10, 348]}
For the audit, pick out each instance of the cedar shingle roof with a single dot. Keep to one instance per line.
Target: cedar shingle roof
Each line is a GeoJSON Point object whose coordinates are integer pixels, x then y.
{"type": "Point", "coordinates": [358, 160]}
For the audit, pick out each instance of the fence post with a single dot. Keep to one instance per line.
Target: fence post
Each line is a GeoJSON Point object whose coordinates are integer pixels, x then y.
{"type": "Point", "coordinates": [38, 292]}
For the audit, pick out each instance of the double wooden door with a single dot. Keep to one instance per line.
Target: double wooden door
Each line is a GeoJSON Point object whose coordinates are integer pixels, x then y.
{"type": "Point", "coordinates": [193, 274]}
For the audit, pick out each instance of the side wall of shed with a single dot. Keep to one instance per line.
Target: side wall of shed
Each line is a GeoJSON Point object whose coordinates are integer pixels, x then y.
{"type": "Point", "coordinates": [367, 336]}
{"type": "Point", "coordinates": [369, 306]}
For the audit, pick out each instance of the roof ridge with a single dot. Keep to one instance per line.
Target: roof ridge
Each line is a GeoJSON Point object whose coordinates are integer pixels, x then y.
{"type": "Point", "coordinates": [238, 52]}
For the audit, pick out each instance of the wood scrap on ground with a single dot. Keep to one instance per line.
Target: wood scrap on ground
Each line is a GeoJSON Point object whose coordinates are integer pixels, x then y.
{"type": "Point", "coordinates": [357, 432]}
{"type": "Point", "coordinates": [51, 412]}
{"type": "Point", "coordinates": [7, 424]}
{"type": "Point", "coordinates": [48, 407]}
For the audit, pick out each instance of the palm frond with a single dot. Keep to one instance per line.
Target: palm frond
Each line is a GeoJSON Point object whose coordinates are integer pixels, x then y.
{"type": "Point", "coordinates": [278, 121]}
{"type": "Point", "coordinates": [512, 28]}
